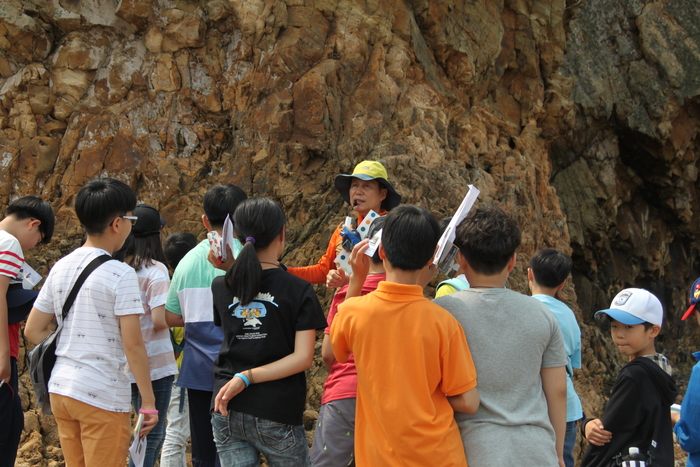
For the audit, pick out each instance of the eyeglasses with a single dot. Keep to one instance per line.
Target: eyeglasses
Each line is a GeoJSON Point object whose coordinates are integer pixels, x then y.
{"type": "Point", "coordinates": [133, 219]}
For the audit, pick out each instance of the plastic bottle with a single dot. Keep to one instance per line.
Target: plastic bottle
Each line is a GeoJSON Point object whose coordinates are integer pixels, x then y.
{"type": "Point", "coordinates": [634, 459]}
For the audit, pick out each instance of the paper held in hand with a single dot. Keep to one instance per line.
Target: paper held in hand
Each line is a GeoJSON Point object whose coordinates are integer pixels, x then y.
{"type": "Point", "coordinates": [138, 447]}
{"type": "Point", "coordinates": [446, 257]}
{"type": "Point", "coordinates": [218, 243]}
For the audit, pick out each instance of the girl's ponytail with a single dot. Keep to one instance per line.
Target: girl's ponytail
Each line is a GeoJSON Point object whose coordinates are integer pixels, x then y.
{"type": "Point", "coordinates": [257, 222]}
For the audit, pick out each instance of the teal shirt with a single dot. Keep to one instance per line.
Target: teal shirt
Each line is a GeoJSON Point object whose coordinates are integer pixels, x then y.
{"type": "Point", "coordinates": [190, 296]}
{"type": "Point", "coordinates": [572, 342]}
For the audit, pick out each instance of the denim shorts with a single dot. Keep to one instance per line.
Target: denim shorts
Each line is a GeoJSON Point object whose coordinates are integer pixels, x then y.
{"type": "Point", "coordinates": [241, 438]}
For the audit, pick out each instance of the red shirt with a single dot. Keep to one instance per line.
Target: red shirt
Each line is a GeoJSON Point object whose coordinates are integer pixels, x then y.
{"type": "Point", "coordinates": [342, 380]}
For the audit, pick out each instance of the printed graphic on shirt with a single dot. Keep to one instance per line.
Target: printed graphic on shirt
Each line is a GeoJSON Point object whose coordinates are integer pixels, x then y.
{"type": "Point", "coordinates": [251, 312]}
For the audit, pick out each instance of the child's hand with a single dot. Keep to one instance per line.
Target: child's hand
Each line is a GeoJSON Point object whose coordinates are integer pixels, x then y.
{"type": "Point", "coordinates": [149, 421]}
{"type": "Point", "coordinates": [226, 393]}
{"type": "Point", "coordinates": [336, 278]}
{"type": "Point", "coordinates": [596, 434]}
{"type": "Point", "coordinates": [218, 264]}
{"type": "Point", "coordinates": [359, 261]}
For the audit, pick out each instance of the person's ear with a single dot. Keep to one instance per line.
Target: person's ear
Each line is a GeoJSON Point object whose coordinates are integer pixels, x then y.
{"type": "Point", "coordinates": [654, 330]}
{"type": "Point", "coordinates": [432, 258]}
{"type": "Point", "coordinates": [561, 286]}
{"type": "Point", "coordinates": [382, 193]}
{"type": "Point", "coordinates": [205, 221]}
{"type": "Point", "coordinates": [530, 275]}
{"type": "Point", "coordinates": [511, 263]}
{"type": "Point", "coordinates": [382, 253]}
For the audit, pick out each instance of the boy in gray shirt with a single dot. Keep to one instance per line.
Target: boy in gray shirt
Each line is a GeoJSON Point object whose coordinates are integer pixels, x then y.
{"type": "Point", "coordinates": [518, 353]}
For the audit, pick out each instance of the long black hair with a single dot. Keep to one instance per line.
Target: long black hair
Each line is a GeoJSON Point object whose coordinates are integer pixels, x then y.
{"type": "Point", "coordinates": [257, 222]}
{"type": "Point", "coordinates": [138, 252]}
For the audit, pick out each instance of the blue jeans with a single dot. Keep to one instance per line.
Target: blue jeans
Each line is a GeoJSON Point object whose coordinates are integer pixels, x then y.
{"type": "Point", "coordinates": [569, 443]}
{"type": "Point", "coordinates": [154, 440]}
{"type": "Point", "coordinates": [240, 438]}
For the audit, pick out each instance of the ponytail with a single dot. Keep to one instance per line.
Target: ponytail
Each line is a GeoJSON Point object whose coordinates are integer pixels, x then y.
{"type": "Point", "coordinates": [257, 222]}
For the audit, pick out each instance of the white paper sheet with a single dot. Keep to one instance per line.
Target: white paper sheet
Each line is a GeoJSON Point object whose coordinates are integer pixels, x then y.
{"type": "Point", "coordinates": [445, 242]}
{"type": "Point", "coordinates": [227, 238]}
{"type": "Point", "coordinates": [138, 447]}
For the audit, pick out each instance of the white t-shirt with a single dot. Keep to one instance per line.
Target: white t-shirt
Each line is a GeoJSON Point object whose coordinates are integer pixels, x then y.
{"type": "Point", "coordinates": [154, 283]}
{"type": "Point", "coordinates": [90, 355]}
{"type": "Point", "coordinates": [11, 256]}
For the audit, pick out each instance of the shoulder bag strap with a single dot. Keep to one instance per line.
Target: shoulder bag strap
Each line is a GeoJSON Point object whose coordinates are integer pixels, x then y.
{"type": "Point", "coordinates": [94, 264]}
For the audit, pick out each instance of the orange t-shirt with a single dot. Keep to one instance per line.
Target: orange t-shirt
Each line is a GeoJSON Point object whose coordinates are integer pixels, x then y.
{"type": "Point", "coordinates": [316, 273]}
{"type": "Point", "coordinates": [410, 354]}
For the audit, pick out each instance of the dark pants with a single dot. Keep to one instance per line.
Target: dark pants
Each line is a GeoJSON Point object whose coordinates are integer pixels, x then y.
{"type": "Point", "coordinates": [203, 446]}
{"type": "Point", "coordinates": [11, 417]}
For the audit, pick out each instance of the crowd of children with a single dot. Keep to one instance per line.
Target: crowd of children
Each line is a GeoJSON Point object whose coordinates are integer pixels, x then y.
{"type": "Point", "coordinates": [480, 376]}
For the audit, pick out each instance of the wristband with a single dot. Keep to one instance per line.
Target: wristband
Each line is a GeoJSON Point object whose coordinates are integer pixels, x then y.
{"type": "Point", "coordinates": [244, 378]}
{"type": "Point", "coordinates": [148, 412]}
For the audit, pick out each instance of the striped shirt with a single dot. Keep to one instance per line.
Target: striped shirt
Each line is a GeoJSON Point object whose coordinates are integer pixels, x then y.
{"type": "Point", "coordinates": [11, 256]}
{"type": "Point", "coordinates": [154, 283]}
{"type": "Point", "coordinates": [11, 261]}
{"type": "Point", "coordinates": [90, 354]}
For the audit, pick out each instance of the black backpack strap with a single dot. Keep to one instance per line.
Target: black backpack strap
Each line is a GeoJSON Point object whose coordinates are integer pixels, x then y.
{"type": "Point", "coordinates": [94, 264]}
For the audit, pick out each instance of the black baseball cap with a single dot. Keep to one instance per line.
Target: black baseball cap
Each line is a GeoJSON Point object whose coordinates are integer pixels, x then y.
{"type": "Point", "coordinates": [149, 221]}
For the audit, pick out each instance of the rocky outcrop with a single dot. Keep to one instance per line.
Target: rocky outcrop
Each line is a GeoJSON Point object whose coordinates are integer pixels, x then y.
{"type": "Point", "coordinates": [626, 175]}
{"type": "Point", "coordinates": [580, 119]}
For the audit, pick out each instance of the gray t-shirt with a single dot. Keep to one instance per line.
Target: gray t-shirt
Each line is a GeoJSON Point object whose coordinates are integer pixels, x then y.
{"type": "Point", "coordinates": [511, 337]}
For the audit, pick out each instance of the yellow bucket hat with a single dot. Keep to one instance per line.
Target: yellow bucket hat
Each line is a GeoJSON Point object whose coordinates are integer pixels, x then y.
{"type": "Point", "coordinates": [369, 170]}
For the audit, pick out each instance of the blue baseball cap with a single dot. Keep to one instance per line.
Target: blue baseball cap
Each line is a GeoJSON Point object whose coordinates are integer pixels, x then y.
{"type": "Point", "coordinates": [634, 306]}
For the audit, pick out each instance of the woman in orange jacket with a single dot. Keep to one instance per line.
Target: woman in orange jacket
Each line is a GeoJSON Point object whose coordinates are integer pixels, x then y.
{"type": "Point", "coordinates": [365, 189]}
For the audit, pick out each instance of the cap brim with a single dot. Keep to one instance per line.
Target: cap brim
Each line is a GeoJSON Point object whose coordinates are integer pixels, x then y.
{"type": "Point", "coordinates": [19, 304]}
{"type": "Point", "coordinates": [689, 311]}
{"type": "Point", "coordinates": [620, 315]}
{"type": "Point", "coordinates": [343, 181]}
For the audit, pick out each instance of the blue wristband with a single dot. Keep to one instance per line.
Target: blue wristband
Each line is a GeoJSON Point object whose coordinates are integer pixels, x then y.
{"type": "Point", "coordinates": [244, 378]}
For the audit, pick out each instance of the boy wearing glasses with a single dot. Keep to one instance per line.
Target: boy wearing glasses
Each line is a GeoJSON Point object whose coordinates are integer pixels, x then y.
{"type": "Point", "coordinates": [90, 393]}
{"type": "Point", "coordinates": [28, 222]}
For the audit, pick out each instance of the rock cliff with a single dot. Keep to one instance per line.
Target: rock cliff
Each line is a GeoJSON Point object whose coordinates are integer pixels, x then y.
{"type": "Point", "coordinates": [579, 116]}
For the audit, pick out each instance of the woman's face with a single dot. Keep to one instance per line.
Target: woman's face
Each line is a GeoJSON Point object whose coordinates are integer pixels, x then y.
{"type": "Point", "coordinates": [366, 196]}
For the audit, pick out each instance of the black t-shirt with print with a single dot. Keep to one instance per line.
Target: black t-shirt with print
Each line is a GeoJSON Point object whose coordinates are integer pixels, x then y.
{"type": "Point", "coordinates": [263, 332]}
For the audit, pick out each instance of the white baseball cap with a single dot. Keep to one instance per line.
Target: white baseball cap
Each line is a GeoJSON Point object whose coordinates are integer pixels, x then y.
{"type": "Point", "coordinates": [635, 306]}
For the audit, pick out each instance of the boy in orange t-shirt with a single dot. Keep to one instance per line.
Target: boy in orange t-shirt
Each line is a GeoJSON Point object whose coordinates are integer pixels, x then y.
{"type": "Point", "coordinates": [414, 367]}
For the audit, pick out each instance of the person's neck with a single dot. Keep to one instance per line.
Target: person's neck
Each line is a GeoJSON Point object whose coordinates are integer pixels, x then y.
{"type": "Point", "coordinates": [650, 349]}
{"type": "Point", "coordinates": [361, 215]}
{"type": "Point", "coordinates": [102, 242]}
{"type": "Point", "coordinates": [268, 258]}
{"type": "Point", "coordinates": [9, 225]}
{"type": "Point", "coordinates": [537, 289]}
{"type": "Point", "coordinates": [482, 281]}
{"type": "Point", "coordinates": [376, 268]}
{"type": "Point", "coordinates": [401, 276]}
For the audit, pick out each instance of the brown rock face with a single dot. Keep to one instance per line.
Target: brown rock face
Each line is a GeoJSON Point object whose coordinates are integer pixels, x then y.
{"type": "Point", "coordinates": [582, 119]}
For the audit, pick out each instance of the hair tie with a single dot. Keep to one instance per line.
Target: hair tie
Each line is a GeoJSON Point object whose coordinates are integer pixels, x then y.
{"type": "Point", "coordinates": [250, 239]}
